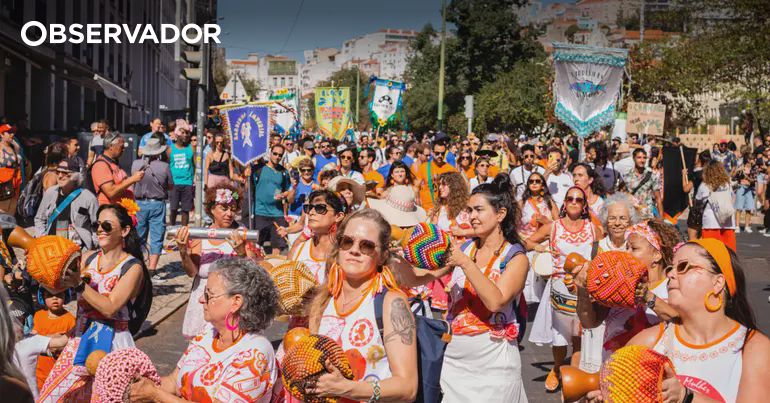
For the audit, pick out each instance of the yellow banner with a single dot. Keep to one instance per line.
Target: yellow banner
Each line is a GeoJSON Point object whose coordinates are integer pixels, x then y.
{"type": "Point", "coordinates": [332, 110]}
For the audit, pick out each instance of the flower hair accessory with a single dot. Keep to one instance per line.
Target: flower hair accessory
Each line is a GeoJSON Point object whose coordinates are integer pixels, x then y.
{"type": "Point", "coordinates": [131, 208]}
{"type": "Point", "coordinates": [225, 196]}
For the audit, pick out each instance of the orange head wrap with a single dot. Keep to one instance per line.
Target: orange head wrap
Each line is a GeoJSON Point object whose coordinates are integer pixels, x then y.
{"type": "Point", "coordinates": [718, 251]}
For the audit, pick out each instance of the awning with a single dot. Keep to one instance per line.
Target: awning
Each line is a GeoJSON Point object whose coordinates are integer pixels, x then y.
{"type": "Point", "coordinates": [112, 91]}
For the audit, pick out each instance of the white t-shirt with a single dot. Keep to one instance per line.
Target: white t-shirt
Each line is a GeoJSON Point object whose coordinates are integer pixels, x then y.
{"type": "Point", "coordinates": [709, 219]}
{"type": "Point", "coordinates": [624, 165]}
{"type": "Point", "coordinates": [475, 182]}
{"type": "Point", "coordinates": [519, 176]}
{"type": "Point", "coordinates": [558, 185]}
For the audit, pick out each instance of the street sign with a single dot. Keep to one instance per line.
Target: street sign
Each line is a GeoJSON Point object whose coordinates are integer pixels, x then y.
{"type": "Point", "coordinates": [469, 106]}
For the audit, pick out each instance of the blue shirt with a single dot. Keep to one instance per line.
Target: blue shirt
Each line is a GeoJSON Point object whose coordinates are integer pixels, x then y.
{"type": "Point", "coordinates": [407, 160]}
{"type": "Point", "coordinates": [320, 162]}
{"type": "Point", "coordinates": [384, 170]}
{"type": "Point", "coordinates": [182, 166]}
{"type": "Point", "coordinates": [270, 183]}
{"type": "Point", "coordinates": [450, 159]}
{"type": "Point", "coordinates": [300, 197]}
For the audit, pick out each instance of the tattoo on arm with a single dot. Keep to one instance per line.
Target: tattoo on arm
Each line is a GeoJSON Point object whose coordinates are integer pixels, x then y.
{"type": "Point", "coordinates": [402, 321]}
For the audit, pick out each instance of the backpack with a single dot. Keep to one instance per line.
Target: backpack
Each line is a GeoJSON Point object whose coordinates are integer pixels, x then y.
{"type": "Point", "coordinates": [140, 307]}
{"type": "Point", "coordinates": [721, 202]}
{"type": "Point", "coordinates": [88, 180]}
{"type": "Point", "coordinates": [30, 196]}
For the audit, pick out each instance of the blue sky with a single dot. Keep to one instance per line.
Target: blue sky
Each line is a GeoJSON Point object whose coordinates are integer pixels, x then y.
{"type": "Point", "coordinates": [264, 26]}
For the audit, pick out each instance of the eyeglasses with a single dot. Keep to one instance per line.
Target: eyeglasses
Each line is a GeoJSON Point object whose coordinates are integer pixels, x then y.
{"type": "Point", "coordinates": [319, 208]}
{"type": "Point", "coordinates": [227, 207]}
{"type": "Point", "coordinates": [106, 226]}
{"type": "Point", "coordinates": [465, 157]}
{"type": "Point", "coordinates": [346, 157]}
{"type": "Point", "coordinates": [306, 170]}
{"type": "Point", "coordinates": [325, 145]}
{"type": "Point", "coordinates": [683, 267]}
{"type": "Point", "coordinates": [527, 156]}
{"type": "Point", "coordinates": [208, 297]}
{"type": "Point", "coordinates": [573, 199]}
{"type": "Point", "coordinates": [279, 155]}
{"type": "Point", "coordinates": [533, 181]}
{"type": "Point", "coordinates": [366, 246]}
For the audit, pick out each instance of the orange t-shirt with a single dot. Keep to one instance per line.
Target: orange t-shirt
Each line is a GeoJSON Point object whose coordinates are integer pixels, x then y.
{"type": "Point", "coordinates": [104, 171]}
{"type": "Point", "coordinates": [46, 326]}
{"type": "Point", "coordinates": [374, 176]}
{"type": "Point", "coordinates": [422, 174]}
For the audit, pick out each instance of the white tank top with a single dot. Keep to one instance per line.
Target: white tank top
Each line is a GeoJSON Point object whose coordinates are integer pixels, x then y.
{"type": "Point", "coordinates": [528, 210]}
{"type": "Point", "coordinates": [713, 370]}
{"type": "Point", "coordinates": [564, 242]}
{"type": "Point", "coordinates": [102, 282]}
{"type": "Point", "coordinates": [210, 253]}
{"type": "Point", "coordinates": [304, 255]}
{"type": "Point", "coordinates": [358, 330]}
{"type": "Point", "coordinates": [622, 324]}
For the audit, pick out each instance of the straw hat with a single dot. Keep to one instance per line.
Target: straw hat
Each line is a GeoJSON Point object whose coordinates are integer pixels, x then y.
{"type": "Point", "coordinates": [399, 207]}
{"type": "Point", "coordinates": [359, 191]}
{"type": "Point", "coordinates": [153, 147]}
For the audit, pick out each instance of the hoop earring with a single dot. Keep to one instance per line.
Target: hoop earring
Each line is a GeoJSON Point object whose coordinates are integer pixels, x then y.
{"type": "Point", "coordinates": [712, 308]}
{"type": "Point", "coordinates": [336, 277]}
{"type": "Point", "coordinates": [235, 324]}
{"type": "Point", "coordinates": [333, 229]}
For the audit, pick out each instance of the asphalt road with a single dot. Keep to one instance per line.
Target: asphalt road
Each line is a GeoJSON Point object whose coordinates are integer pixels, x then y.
{"type": "Point", "coordinates": [166, 344]}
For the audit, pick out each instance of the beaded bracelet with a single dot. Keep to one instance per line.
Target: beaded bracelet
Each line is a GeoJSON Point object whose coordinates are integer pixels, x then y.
{"type": "Point", "coordinates": [376, 391]}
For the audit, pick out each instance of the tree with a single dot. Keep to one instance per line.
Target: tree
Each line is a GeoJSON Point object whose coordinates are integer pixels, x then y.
{"type": "Point", "coordinates": [570, 32]}
{"type": "Point", "coordinates": [251, 86]}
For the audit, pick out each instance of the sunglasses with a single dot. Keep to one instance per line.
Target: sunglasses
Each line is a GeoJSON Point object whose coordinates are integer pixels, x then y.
{"type": "Point", "coordinates": [532, 181]}
{"type": "Point", "coordinates": [526, 156]}
{"type": "Point", "coordinates": [482, 165]}
{"type": "Point", "coordinates": [465, 157]}
{"type": "Point", "coordinates": [573, 199]}
{"type": "Point", "coordinates": [466, 144]}
{"type": "Point", "coordinates": [319, 208]}
{"type": "Point", "coordinates": [306, 170]}
{"type": "Point", "coordinates": [346, 157]}
{"type": "Point", "coordinates": [106, 226]}
{"type": "Point", "coordinates": [366, 246]}
{"type": "Point", "coordinates": [683, 267]}
{"type": "Point", "coordinates": [208, 297]}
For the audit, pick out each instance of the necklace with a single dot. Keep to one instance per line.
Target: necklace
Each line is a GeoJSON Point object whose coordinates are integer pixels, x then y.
{"type": "Point", "coordinates": [358, 299]}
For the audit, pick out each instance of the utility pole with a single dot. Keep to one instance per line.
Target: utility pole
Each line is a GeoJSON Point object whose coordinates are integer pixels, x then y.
{"type": "Point", "coordinates": [358, 83]}
{"type": "Point", "coordinates": [441, 67]}
{"type": "Point", "coordinates": [641, 22]}
{"type": "Point", "coordinates": [203, 86]}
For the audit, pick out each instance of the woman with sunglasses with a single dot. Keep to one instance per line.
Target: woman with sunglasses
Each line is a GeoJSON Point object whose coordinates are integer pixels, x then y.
{"type": "Point", "coordinates": [537, 209]}
{"type": "Point", "coordinates": [465, 164]}
{"type": "Point", "coordinates": [482, 362]}
{"type": "Point", "coordinates": [232, 361]}
{"type": "Point", "coordinates": [109, 279]}
{"type": "Point", "coordinates": [218, 167]}
{"type": "Point", "coordinates": [715, 347]}
{"type": "Point", "coordinates": [557, 323]}
{"type": "Point", "coordinates": [344, 310]}
{"type": "Point", "coordinates": [221, 203]}
{"type": "Point", "coordinates": [482, 173]}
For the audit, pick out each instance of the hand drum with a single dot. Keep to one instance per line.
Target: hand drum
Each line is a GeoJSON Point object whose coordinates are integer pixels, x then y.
{"type": "Point", "coordinates": [427, 247]}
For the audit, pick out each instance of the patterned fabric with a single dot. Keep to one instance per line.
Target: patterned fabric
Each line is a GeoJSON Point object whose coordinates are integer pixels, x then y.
{"type": "Point", "coordinates": [633, 374]}
{"type": "Point", "coordinates": [528, 224]}
{"type": "Point", "coordinates": [48, 257]}
{"type": "Point", "coordinates": [467, 313]}
{"type": "Point", "coordinates": [645, 203]}
{"type": "Point", "coordinates": [613, 277]}
{"type": "Point", "coordinates": [294, 281]}
{"type": "Point", "coordinates": [103, 283]}
{"type": "Point", "coordinates": [117, 370]}
{"type": "Point", "coordinates": [643, 229]}
{"type": "Point", "coordinates": [67, 383]}
{"type": "Point", "coordinates": [304, 363]}
{"type": "Point", "coordinates": [244, 372]}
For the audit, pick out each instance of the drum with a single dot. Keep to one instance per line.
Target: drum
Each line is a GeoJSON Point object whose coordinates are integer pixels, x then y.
{"type": "Point", "coordinates": [542, 263]}
{"type": "Point", "coordinates": [50, 259]}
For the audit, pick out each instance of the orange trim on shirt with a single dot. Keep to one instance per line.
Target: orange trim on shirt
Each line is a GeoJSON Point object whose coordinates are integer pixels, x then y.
{"type": "Point", "coordinates": [707, 345]}
{"type": "Point", "coordinates": [219, 350]}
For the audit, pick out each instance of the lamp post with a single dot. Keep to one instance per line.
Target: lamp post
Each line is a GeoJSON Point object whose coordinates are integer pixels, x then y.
{"type": "Point", "coordinates": [442, 63]}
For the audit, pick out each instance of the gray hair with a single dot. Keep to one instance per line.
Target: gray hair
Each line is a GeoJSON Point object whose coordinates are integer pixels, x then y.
{"type": "Point", "coordinates": [260, 297]}
{"type": "Point", "coordinates": [7, 339]}
{"type": "Point", "coordinates": [623, 198]}
{"type": "Point", "coordinates": [110, 138]}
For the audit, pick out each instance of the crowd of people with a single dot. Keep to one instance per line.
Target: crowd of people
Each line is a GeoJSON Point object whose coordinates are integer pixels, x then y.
{"type": "Point", "coordinates": [339, 207]}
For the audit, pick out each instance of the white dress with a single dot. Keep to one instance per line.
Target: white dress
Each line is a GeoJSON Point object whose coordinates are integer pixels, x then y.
{"type": "Point", "coordinates": [482, 362]}
{"type": "Point", "coordinates": [534, 285]}
{"type": "Point", "coordinates": [194, 324]}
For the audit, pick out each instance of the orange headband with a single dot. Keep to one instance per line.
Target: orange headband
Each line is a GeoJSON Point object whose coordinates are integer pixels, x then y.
{"type": "Point", "coordinates": [718, 251]}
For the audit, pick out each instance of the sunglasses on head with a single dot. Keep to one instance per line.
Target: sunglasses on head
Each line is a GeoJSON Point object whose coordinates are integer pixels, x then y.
{"type": "Point", "coordinates": [538, 181]}
{"type": "Point", "coordinates": [319, 208]}
{"type": "Point", "coordinates": [574, 199]}
{"type": "Point", "coordinates": [683, 267]}
{"type": "Point", "coordinates": [106, 226]}
{"type": "Point", "coordinates": [366, 246]}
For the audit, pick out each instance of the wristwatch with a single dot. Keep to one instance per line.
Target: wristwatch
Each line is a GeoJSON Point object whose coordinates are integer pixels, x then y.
{"type": "Point", "coordinates": [651, 303]}
{"type": "Point", "coordinates": [688, 396]}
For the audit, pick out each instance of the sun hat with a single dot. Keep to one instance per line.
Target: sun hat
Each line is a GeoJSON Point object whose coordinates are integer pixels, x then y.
{"type": "Point", "coordinates": [153, 147]}
{"type": "Point", "coordinates": [359, 191]}
{"type": "Point", "coordinates": [399, 208]}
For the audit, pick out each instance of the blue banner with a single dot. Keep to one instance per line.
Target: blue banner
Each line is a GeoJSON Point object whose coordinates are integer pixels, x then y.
{"type": "Point", "coordinates": [248, 127]}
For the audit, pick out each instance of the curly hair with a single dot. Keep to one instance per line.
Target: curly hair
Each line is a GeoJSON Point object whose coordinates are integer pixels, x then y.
{"type": "Point", "coordinates": [669, 238]}
{"type": "Point", "coordinates": [458, 194]}
{"type": "Point", "coordinates": [714, 175]}
{"type": "Point", "coordinates": [619, 198]}
{"type": "Point", "coordinates": [211, 196]}
{"type": "Point", "coordinates": [244, 277]}
{"type": "Point", "coordinates": [305, 163]}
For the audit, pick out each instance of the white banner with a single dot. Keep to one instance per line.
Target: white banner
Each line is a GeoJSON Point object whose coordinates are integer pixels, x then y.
{"type": "Point", "coordinates": [386, 101]}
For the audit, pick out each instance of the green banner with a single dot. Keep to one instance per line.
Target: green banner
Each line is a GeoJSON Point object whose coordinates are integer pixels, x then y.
{"type": "Point", "coordinates": [332, 110]}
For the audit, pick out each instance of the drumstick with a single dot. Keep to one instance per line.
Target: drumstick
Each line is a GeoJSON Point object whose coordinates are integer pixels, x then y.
{"type": "Point", "coordinates": [277, 227]}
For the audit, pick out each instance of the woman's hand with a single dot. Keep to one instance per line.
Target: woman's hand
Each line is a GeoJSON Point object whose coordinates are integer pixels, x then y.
{"type": "Point", "coordinates": [142, 390]}
{"type": "Point", "coordinates": [640, 294]}
{"type": "Point", "coordinates": [58, 342]}
{"type": "Point", "coordinates": [282, 231]}
{"type": "Point", "coordinates": [332, 383]}
{"type": "Point", "coordinates": [580, 275]}
{"type": "Point", "coordinates": [671, 389]}
{"type": "Point", "coordinates": [237, 240]}
{"type": "Point", "coordinates": [594, 396]}
{"type": "Point", "coordinates": [182, 237]}
{"type": "Point", "coordinates": [541, 219]}
{"type": "Point", "coordinates": [457, 257]}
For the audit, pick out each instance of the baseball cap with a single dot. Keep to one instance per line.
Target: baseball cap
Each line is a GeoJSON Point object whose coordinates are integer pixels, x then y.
{"type": "Point", "coordinates": [69, 165]}
{"type": "Point", "coordinates": [723, 141]}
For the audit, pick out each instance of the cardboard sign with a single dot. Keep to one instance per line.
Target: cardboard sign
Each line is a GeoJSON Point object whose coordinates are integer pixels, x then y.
{"type": "Point", "coordinates": [646, 118]}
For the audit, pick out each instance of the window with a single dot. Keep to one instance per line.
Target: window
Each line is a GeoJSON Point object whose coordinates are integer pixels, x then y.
{"type": "Point", "coordinates": [291, 81]}
{"type": "Point", "coordinates": [275, 81]}
{"type": "Point", "coordinates": [283, 82]}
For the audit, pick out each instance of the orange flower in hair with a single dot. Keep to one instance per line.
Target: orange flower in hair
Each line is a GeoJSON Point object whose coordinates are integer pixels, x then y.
{"type": "Point", "coordinates": [131, 208]}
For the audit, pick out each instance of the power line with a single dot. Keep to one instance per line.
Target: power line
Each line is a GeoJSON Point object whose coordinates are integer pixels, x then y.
{"type": "Point", "coordinates": [293, 25]}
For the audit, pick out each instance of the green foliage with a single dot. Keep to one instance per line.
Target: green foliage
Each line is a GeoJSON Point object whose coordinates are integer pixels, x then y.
{"type": "Point", "coordinates": [251, 86]}
{"type": "Point", "coordinates": [570, 32]}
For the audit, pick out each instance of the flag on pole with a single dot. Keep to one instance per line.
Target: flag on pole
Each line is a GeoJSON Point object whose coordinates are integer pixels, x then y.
{"type": "Point", "coordinates": [248, 127]}
{"type": "Point", "coordinates": [332, 110]}
{"type": "Point", "coordinates": [587, 85]}
{"type": "Point", "coordinates": [386, 102]}
{"type": "Point", "coordinates": [284, 113]}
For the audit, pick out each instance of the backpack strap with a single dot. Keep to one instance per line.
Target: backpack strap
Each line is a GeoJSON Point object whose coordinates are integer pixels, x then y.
{"type": "Point", "coordinates": [513, 250]}
{"type": "Point", "coordinates": [127, 265]}
{"type": "Point", "coordinates": [91, 258]}
{"type": "Point", "coordinates": [379, 301]}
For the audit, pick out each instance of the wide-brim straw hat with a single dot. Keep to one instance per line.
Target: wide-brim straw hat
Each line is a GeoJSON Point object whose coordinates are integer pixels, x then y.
{"type": "Point", "coordinates": [399, 207]}
{"type": "Point", "coordinates": [359, 191]}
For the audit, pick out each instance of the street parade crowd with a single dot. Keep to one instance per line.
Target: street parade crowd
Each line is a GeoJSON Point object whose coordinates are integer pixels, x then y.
{"type": "Point", "coordinates": [516, 221]}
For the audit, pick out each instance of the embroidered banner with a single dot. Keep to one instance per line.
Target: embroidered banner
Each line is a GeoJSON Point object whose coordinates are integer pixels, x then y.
{"type": "Point", "coordinates": [386, 102]}
{"type": "Point", "coordinates": [248, 127]}
{"type": "Point", "coordinates": [587, 85]}
{"type": "Point", "coordinates": [332, 110]}
{"type": "Point", "coordinates": [285, 117]}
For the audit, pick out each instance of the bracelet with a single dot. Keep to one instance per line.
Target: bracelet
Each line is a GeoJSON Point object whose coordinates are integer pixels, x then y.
{"type": "Point", "coordinates": [376, 391]}
{"type": "Point", "coordinates": [688, 395]}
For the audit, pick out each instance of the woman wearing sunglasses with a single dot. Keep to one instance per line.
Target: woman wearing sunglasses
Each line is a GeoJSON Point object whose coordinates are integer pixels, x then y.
{"type": "Point", "coordinates": [537, 209]}
{"type": "Point", "coordinates": [450, 215]}
{"type": "Point", "coordinates": [482, 362]}
{"type": "Point", "coordinates": [715, 347]}
{"type": "Point", "coordinates": [112, 277]}
{"type": "Point", "coordinates": [556, 323]}
{"type": "Point", "coordinates": [232, 361]}
{"type": "Point", "coordinates": [344, 309]}
{"type": "Point", "coordinates": [222, 201]}
{"type": "Point", "coordinates": [481, 171]}
{"type": "Point", "coordinates": [465, 164]}
{"type": "Point", "coordinates": [218, 167]}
